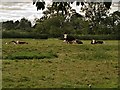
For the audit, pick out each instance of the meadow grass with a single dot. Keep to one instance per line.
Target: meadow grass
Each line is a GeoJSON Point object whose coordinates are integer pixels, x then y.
{"type": "Point", "coordinates": [63, 66]}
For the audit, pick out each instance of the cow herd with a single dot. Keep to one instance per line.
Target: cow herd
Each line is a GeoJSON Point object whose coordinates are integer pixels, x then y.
{"type": "Point", "coordinates": [67, 39]}
{"type": "Point", "coordinates": [72, 40]}
{"type": "Point", "coordinates": [76, 41]}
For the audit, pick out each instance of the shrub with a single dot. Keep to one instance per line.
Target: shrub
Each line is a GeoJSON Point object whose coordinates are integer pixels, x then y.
{"type": "Point", "coordinates": [97, 37]}
{"type": "Point", "coordinates": [39, 36]}
{"type": "Point", "coordinates": [19, 34]}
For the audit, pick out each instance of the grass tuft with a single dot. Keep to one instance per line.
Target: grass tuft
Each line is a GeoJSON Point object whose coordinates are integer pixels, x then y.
{"type": "Point", "coordinates": [31, 55]}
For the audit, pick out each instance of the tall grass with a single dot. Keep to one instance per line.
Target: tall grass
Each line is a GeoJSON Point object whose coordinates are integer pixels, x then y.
{"type": "Point", "coordinates": [63, 66]}
{"type": "Point", "coordinates": [30, 55]}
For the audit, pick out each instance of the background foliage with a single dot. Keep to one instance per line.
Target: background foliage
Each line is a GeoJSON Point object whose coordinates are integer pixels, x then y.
{"type": "Point", "coordinates": [60, 18]}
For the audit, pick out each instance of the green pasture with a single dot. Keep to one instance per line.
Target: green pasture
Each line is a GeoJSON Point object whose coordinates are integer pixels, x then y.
{"type": "Point", "coordinates": [51, 63]}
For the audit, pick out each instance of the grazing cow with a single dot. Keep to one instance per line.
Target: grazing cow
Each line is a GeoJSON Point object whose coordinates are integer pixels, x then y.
{"type": "Point", "coordinates": [96, 42]}
{"type": "Point", "coordinates": [19, 42]}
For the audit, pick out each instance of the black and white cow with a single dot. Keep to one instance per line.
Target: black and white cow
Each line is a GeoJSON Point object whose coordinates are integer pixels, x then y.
{"type": "Point", "coordinates": [96, 42]}
{"type": "Point", "coordinates": [78, 41]}
{"type": "Point", "coordinates": [19, 42]}
{"type": "Point", "coordinates": [70, 39]}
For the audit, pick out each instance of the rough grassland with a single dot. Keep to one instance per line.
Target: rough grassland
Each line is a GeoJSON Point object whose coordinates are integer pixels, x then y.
{"type": "Point", "coordinates": [74, 66]}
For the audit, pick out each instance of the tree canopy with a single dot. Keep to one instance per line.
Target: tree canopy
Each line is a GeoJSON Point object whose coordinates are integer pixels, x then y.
{"type": "Point", "coordinates": [61, 6]}
{"type": "Point", "coordinates": [94, 11]}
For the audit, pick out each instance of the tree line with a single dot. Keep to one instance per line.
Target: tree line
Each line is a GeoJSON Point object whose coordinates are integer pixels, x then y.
{"type": "Point", "coordinates": [22, 25]}
{"type": "Point", "coordinates": [60, 17]}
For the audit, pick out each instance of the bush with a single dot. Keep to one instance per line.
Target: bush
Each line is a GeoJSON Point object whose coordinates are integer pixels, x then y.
{"type": "Point", "coordinates": [97, 37]}
{"type": "Point", "coordinates": [39, 36]}
{"type": "Point", "coordinates": [19, 34]}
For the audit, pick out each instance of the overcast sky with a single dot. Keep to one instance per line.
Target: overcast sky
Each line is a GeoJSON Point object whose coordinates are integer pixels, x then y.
{"type": "Point", "coordinates": [53, 0]}
{"type": "Point", "coordinates": [16, 11]}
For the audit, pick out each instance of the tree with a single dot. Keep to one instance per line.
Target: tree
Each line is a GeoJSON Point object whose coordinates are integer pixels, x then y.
{"type": "Point", "coordinates": [24, 25]}
{"type": "Point", "coordinates": [115, 19]}
{"type": "Point", "coordinates": [8, 25]}
{"type": "Point", "coordinates": [56, 6]}
{"type": "Point", "coordinates": [50, 26]}
{"type": "Point", "coordinates": [94, 11]}
{"type": "Point", "coordinates": [64, 6]}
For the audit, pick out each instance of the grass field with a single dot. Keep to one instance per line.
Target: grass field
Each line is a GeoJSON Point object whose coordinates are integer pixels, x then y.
{"type": "Point", "coordinates": [53, 64]}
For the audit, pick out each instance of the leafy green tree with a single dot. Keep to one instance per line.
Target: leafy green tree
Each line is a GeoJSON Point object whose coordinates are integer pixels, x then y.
{"type": "Point", "coordinates": [8, 25]}
{"type": "Point", "coordinates": [79, 24]}
{"type": "Point", "coordinates": [16, 23]}
{"type": "Point", "coordinates": [94, 11]}
{"type": "Point", "coordinates": [24, 25]}
{"type": "Point", "coordinates": [65, 6]}
{"type": "Point", "coordinates": [115, 21]}
{"type": "Point", "coordinates": [62, 7]}
{"type": "Point", "coordinates": [50, 26]}
{"type": "Point", "coordinates": [40, 28]}
{"type": "Point", "coordinates": [56, 6]}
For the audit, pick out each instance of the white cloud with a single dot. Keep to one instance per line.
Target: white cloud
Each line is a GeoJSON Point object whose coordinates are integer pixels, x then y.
{"type": "Point", "coordinates": [16, 0]}
{"type": "Point", "coordinates": [16, 11]}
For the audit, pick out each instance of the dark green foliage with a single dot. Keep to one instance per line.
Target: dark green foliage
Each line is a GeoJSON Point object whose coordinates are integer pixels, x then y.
{"type": "Point", "coordinates": [31, 55]}
{"type": "Point", "coordinates": [10, 34]}
{"type": "Point", "coordinates": [60, 7]}
{"type": "Point", "coordinates": [55, 26]}
{"type": "Point", "coordinates": [51, 26]}
{"type": "Point", "coordinates": [8, 25]}
{"type": "Point", "coordinates": [108, 4]}
{"type": "Point", "coordinates": [39, 36]}
{"type": "Point", "coordinates": [40, 5]}
{"type": "Point", "coordinates": [16, 34]}
{"type": "Point", "coordinates": [23, 24]}
{"type": "Point", "coordinates": [94, 11]}
{"type": "Point", "coordinates": [97, 37]}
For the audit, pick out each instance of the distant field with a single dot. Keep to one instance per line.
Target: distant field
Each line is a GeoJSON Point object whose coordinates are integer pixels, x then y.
{"type": "Point", "coordinates": [53, 64]}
